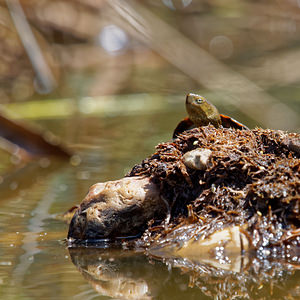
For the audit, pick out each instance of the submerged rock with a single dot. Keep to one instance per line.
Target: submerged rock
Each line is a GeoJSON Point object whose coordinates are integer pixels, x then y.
{"type": "Point", "coordinates": [250, 181]}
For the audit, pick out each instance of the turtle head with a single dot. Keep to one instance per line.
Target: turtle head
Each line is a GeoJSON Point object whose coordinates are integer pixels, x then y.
{"type": "Point", "coordinates": [201, 111]}
{"type": "Point", "coordinates": [194, 99]}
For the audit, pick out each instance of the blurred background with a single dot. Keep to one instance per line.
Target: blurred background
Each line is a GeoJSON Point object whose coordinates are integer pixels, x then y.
{"type": "Point", "coordinates": [108, 79]}
{"type": "Point", "coordinates": [244, 53]}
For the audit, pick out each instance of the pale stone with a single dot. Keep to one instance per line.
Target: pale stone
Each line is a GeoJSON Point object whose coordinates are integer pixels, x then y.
{"type": "Point", "coordinates": [197, 159]}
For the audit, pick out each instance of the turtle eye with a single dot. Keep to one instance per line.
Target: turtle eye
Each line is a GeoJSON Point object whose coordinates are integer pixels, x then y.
{"type": "Point", "coordinates": [199, 100]}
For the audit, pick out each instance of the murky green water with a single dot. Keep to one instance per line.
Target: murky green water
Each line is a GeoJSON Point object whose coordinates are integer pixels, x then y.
{"type": "Point", "coordinates": [35, 262]}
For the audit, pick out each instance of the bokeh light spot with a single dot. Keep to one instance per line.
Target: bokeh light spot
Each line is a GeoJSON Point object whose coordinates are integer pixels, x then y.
{"type": "Point", "coordinates": [113, 39]}
{"type": "Point", "coordinates": [221, 46]}
{"type": "Point", "coordinates": [177, 4]}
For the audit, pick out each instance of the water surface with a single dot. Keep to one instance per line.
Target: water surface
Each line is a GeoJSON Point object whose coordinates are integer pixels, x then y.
{"type": "Point", "coordinates": [35, 262]}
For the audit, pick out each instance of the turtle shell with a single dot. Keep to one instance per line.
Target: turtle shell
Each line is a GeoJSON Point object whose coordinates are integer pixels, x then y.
{"type": "Point", "coordinates": [226, 122]}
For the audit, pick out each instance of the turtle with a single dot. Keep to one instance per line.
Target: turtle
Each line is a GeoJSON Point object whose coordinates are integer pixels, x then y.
{"type": "Point", "coordinates": [201, 112]}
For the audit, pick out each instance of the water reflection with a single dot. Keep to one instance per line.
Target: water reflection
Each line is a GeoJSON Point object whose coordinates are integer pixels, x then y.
{"type": "Point", "coordinates": [125, 274]}
{"type": "Point", "coordinates": [114, 273]}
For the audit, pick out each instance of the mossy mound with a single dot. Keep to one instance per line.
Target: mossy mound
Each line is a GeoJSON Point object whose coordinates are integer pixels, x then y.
{"type": "Point", "coordinates": [252, 180]}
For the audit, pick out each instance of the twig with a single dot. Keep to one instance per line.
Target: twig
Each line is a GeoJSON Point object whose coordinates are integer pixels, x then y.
{"type": "Point", "coordinates": [43, 72]}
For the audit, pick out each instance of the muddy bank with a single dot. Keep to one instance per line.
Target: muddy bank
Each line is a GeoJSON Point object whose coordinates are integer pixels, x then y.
{"type": "Point", "coordinates": [246, 179]}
